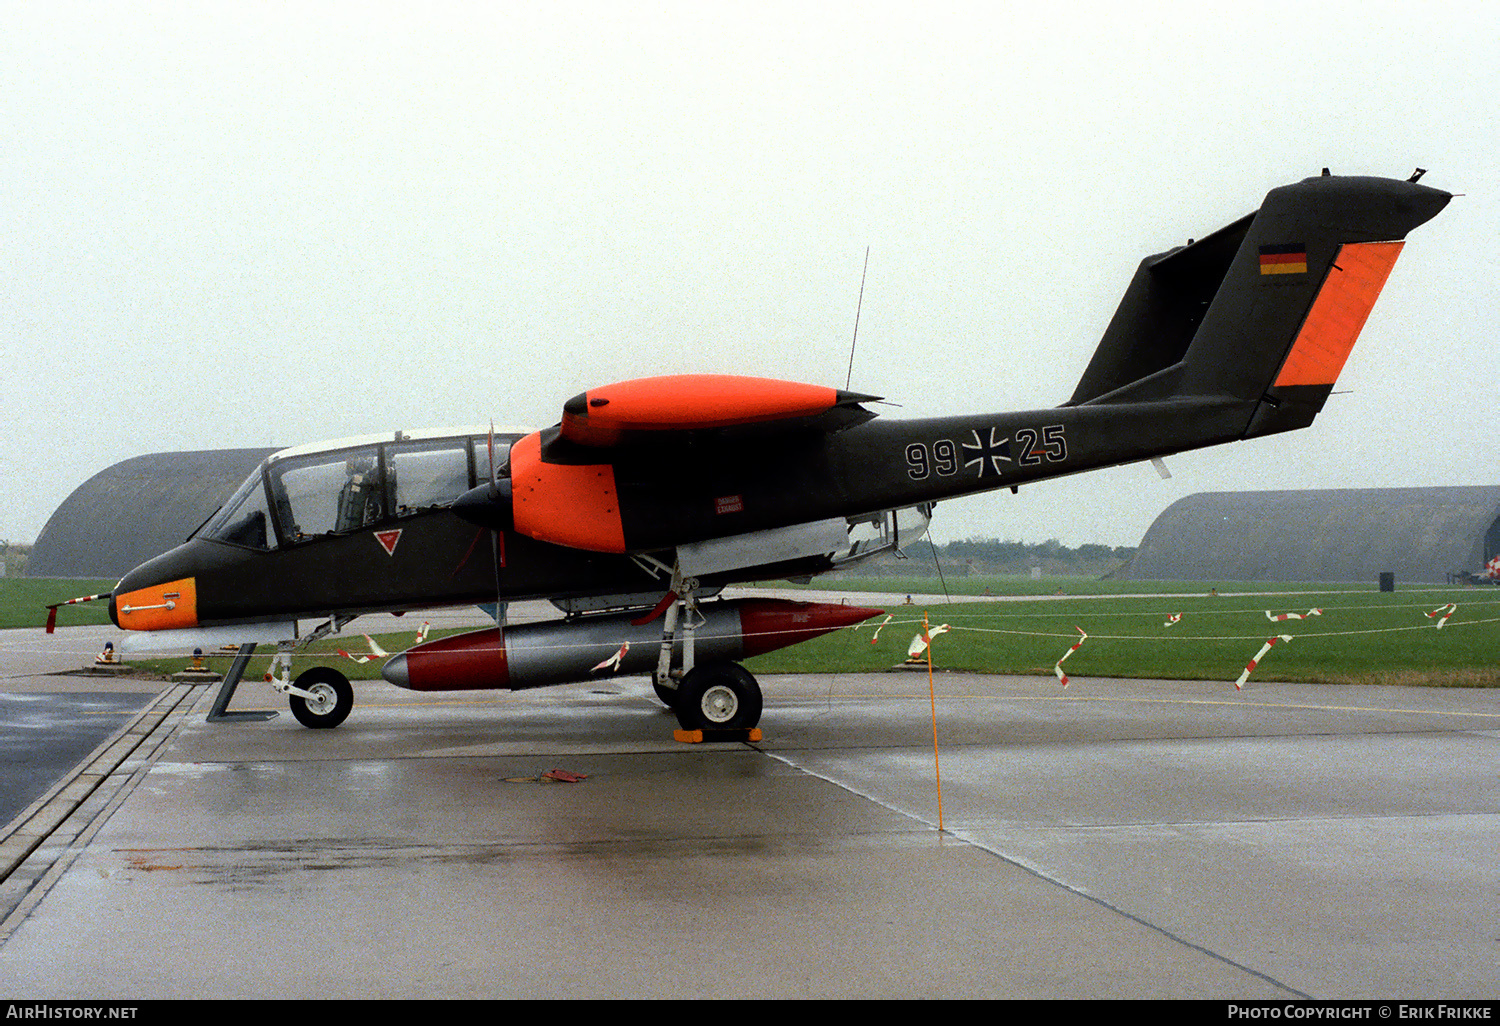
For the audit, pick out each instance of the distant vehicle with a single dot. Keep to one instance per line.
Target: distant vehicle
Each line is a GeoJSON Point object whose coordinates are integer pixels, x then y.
{"type": "Point", "coordinates": [1489, 575]}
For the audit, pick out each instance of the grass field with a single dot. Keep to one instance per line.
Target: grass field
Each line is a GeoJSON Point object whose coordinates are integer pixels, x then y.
{"type": "Point", "coordinates": [1361, 636]}
{"type": "Point", "coordinates": [978, 584]}
{"type": "Point", "coordinates": [1366, 637]}
{"type": "Point", "coordinates": [24, 602]}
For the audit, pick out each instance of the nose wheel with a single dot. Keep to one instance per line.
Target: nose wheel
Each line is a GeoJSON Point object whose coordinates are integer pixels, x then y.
{"type": "Point", "coordinates": [321, 698]}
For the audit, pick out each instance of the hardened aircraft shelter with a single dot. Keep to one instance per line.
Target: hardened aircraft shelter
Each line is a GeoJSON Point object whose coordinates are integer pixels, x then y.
{"type": "Point", "coordinates": [1353, 534]}
{"type": "Point", "coordinates": [137, 509]}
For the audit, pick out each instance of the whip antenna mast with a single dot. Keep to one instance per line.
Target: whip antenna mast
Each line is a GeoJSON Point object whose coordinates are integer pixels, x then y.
{"type": "Point", "coordinates": [850, 376]}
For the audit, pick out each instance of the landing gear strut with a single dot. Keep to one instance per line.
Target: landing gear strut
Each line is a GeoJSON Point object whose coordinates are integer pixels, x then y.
{"type": "Point", "coordinates": [320, 697]}
{"type": "Point", "coordinates": [668, 695]}
{"type": "Point", "coordinates": [714, 696]}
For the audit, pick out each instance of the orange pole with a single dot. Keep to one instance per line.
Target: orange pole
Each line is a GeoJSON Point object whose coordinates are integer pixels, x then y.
{"type": "Point", "coordinates": [932, 697]}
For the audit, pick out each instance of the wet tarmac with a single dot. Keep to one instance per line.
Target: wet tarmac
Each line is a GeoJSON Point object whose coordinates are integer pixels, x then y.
{"type": "Point", "coordinates": [1117, 839]}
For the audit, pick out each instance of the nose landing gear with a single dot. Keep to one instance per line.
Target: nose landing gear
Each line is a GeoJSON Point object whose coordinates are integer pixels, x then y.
{"type": "Point", "coordinates": [321, 698]}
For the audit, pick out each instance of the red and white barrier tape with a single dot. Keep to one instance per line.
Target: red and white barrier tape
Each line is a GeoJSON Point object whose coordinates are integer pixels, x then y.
{"type": "Point", "coordinates": [1292, 616]}
{"type": "Point", "coordinates": [1451, 607]}
{"type": "Point", "coordinates": [1058, 668]}
{"type": "Point", "coordinates": [1263, 650]}
{"type": "Point", "coordinates": [376, 652]}
{"type": "Point", "coordinates": [613, 662]}
{"type": "Point", "coordinates": [921, 641]}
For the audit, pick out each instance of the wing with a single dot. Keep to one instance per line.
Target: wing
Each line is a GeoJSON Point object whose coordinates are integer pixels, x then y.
{"type": "Point", "coordinates": [564, 482]}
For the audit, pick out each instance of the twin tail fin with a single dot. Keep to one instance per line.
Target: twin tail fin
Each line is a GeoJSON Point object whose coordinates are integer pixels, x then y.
{"type": "Point", "coordinates": [1265, 311]}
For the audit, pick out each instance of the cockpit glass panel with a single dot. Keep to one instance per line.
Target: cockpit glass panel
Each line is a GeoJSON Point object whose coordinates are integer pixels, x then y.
{"type": "Point", "coordinates": [328, 493]}
{"type": "Point", "coordinates": [245, 519]}
{"type": "Point", "coordinates": [427, 474]}
{"type": "Point", "coordinates": [307, 496]}
{"type": "Point", "coordinates": [482, 457]}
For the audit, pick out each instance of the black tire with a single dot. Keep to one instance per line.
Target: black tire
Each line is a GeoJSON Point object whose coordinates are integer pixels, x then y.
{"type": "Point", "coordinates": [334, 697]}
{"type": "Point", "coordinates": [718, 696]}
{"type": "Point", "coordinates": [668, 696]}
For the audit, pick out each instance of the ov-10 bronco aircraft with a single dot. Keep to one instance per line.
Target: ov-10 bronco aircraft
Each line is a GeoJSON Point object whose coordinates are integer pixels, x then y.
{"type": "Point", "coordinates": [650, 496]}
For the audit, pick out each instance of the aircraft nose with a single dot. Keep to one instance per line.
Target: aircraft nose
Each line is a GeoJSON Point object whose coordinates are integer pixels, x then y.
{"type": "Point", "coordinates": [163, 593]}
{"type": "Point", "coordinates": [170, 604]}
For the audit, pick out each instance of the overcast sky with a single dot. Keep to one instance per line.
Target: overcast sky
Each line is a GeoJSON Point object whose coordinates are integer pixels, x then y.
{"type": "Point", "coordinates": [249, 224]}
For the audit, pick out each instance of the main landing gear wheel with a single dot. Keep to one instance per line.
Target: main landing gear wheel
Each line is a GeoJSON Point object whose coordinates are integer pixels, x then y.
{"type": "Point", "coordinates": [332, 698]}
{"type": "Point", "coordinates": [718, 696]}
{"type": "Point", "coordinates": [667, 695]}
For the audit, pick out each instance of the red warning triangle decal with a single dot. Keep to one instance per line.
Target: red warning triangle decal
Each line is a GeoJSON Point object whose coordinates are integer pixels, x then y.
{"type": "Point", "coordinates": [388, 540]}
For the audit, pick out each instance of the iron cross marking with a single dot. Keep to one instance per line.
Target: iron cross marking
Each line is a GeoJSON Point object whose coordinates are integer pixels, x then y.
{"type": "Point", "coordinates": [987, 454]}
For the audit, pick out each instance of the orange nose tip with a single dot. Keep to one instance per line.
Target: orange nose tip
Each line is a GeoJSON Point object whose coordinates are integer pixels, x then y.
{"type": "Point", "coordinates": [159, 607]}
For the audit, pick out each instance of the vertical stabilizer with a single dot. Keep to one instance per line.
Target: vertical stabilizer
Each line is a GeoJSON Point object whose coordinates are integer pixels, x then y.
{"type": "Point", "coordinates": [1264, 311]}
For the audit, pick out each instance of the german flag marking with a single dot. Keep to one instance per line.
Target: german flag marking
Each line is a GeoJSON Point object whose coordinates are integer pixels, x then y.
{"type": "Point", "coordinates": [1288, 258]}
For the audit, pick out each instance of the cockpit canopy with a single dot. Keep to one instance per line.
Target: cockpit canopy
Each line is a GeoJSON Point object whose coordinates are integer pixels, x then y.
{"type": "Point", "coordinates": [308, 492]}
